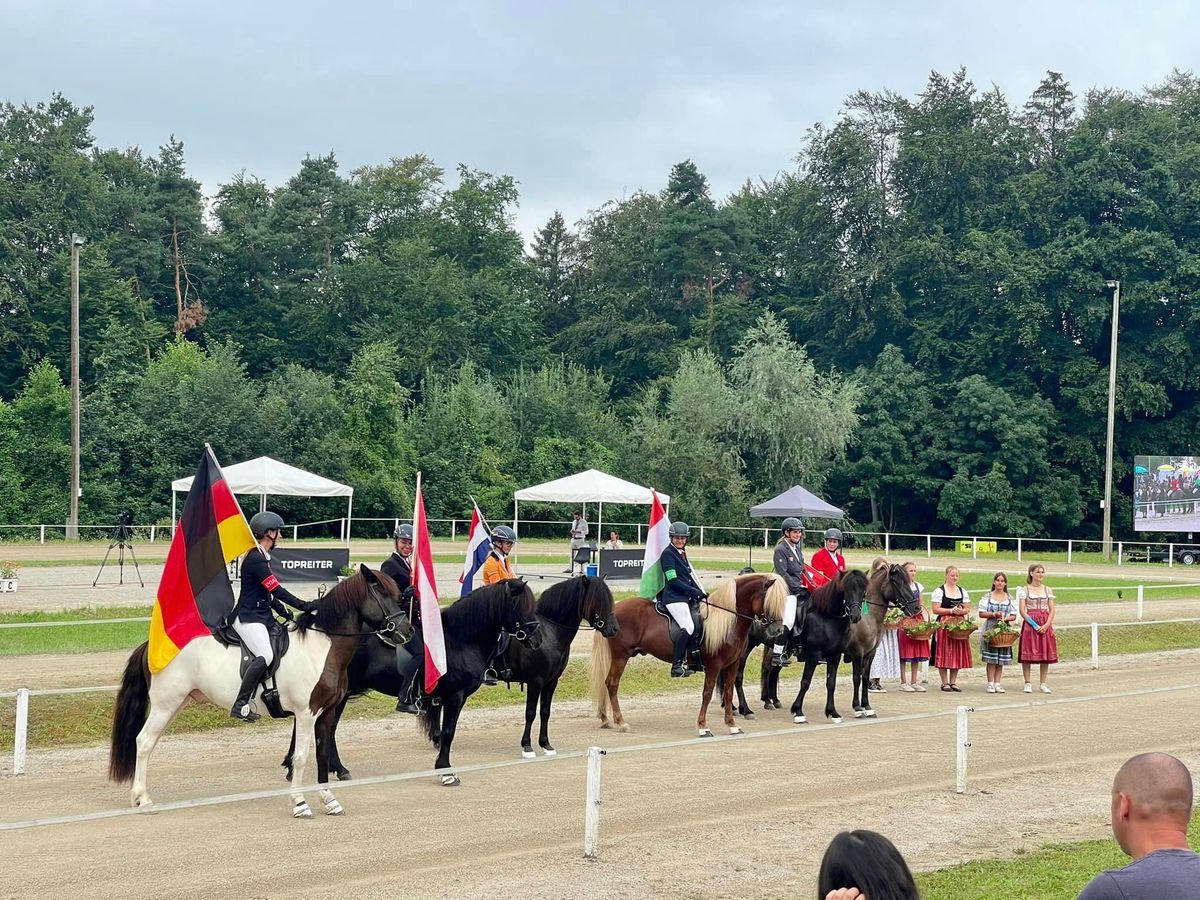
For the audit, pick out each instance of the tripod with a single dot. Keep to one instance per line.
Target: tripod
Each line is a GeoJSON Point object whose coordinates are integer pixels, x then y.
{"type": "Point", "coordinates": [122, 539]}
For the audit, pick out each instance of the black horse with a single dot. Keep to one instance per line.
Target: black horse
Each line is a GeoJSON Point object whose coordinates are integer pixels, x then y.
{"type": "Point", "coordinates": [832, 610]}
{"type": "Point", "coordinates": [472, 628]}
{"type": "Point", "coordinates": [560, 609]}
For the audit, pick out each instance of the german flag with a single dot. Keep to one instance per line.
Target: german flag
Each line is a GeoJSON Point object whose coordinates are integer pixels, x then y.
{"type": "Point", "coordinates": [195, 594]}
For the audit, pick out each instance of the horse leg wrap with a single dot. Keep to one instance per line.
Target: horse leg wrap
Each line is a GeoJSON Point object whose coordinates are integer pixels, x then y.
{"type": "Point", "coordinates": [332, 806]}
{"type": "Point", "coordinates": [300, 809]}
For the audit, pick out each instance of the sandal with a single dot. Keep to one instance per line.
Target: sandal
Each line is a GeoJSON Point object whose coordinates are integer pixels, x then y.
{"type": "Point", "coordinates": [947, 688]}
{"type": "Point", "coordinates": [956, 688]}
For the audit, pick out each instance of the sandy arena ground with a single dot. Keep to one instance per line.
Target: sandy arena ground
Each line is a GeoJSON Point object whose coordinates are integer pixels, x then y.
{"type": "Point", "coordinates": [729, 818]}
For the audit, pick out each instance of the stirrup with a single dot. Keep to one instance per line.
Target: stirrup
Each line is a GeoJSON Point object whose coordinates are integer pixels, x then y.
{"type": "Point", "coordinates": [249, 716]}
{"type": "Point", "coordinates": [679, 670]}
{"type": "Point", "coordinates": [489, 676]}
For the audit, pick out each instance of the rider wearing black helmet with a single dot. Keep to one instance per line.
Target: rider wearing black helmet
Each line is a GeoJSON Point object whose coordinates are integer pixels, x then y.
{"type": "Point", "coordinates": [261, 592]}
{"type": "Point", "coordinates": [681, 597]}
{"type": "Point", "coordinates": [409, 656]}
{"type": "Point", "coordinates": [789, 565]}
{"type": "Point", "coordinates": [829, 560]}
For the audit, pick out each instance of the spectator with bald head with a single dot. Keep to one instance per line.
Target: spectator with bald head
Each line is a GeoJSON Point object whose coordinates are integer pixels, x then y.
{"type": "Point", "coordinates": [1151, 809]}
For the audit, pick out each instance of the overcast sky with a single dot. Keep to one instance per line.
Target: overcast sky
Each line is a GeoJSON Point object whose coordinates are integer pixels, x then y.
{"type": "Point", "coordinates": [580, 102]}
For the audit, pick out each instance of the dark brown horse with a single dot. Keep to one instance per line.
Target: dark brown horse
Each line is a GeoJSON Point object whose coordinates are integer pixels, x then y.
{"type": "Point", "coordinates": [887, 586]}
{"type": "Point", "coordinates": [727, 615]}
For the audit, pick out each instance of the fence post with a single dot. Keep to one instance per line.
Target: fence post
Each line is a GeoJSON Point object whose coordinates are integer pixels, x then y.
{"type": "Point", "coordinates": [1069, 546]}
{"type": "Point", "coordinates": [22, 731]}
{"type": "Point", "coordinates": [766, 538]}
{"type": "Point", "coordinates": [42, 529]}
{"type": "Point", "coordinates": [701, 535]}
{"type": "Point", "coordinates": [1170, 556]}
{"type": "Point", "coordinates": [887, 544]}
{"type": "Point", "coordinates": [639, 532]}
{"type": "Point", "coordinates": [928, 546]}
{"type": "Point", "coordinates": [974, 548]}
{"type": "Point", "coordinates": [152, 534]}
{"type": "Point", "coordinates": [1018, 549]}
{"type": "Point", "coordinates": [295, 533]}
{"type": "Point", "coordinates": [1120, 551]}
{"type": "Point", "coordinates": [591, 810]}
{"type": "Point", "coordinates": [964, 743]}
{"type": "Point", "coordinates": [454, 529]}
{"type": "Point", "coordinates": [1095, 645]}
{"type": "Point", "coordinates": [1141, 599]}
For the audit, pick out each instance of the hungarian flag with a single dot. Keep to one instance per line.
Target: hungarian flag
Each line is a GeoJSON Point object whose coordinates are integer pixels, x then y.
{"type": "Point", "coordinates": [195, 594]}
{"type": "Point", "coordinates": [479, 545]}
{"type": "Point", "coordinates": [426, 587]}
{"type": "Point", "coordinates": [657, 539]}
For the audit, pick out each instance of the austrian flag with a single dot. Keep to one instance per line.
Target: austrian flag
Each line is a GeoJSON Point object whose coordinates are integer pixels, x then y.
{"type": "Point", "coordinates": [427, 596]}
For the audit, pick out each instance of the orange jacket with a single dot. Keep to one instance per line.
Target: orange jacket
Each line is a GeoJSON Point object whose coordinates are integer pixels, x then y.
{"type": "Point", "coordinates": [497, 569]}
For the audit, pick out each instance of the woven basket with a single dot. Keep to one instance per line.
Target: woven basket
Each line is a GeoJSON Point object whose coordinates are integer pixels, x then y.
{"type": "Point", "coordinates": [911, 622]}
{"type": "Point", "coordinates": [1004, 639]}
{"type": "Point", "coordinates": [960, 635]}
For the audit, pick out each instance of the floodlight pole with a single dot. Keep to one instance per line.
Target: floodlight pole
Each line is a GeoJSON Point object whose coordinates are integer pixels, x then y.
{"type": "Point", "coordinates": [1115, 286]}
{"type": "Point", "coordinates": [73, 517]}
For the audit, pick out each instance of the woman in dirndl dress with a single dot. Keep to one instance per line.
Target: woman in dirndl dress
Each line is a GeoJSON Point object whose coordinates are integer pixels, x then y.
{"type": "Point", "coordinates": [1038, 643]}
{"type": "Point", "coordinates": [996, 606]}
{"type": "Point", "coordinates": [949, 602]}
{"type": "Point", "coordinates": [913, 652]}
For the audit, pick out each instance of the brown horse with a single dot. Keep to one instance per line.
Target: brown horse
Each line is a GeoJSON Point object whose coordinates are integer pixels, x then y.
{"type": "Point", "coordinates": [727, 615]}
{"type": "Point", "coordinates": [887, 586]}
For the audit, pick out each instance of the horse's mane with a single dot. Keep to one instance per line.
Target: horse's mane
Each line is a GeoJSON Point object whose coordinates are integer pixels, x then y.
{"type": "Point", "coordinates": [562, 602]}
{"type": "Point", "coordinates": [347, 597]}
{"type": "Point", "coordinates": [721, 613]}
{"type": "Point", "coordinates": [483, 607]}
{"type": "Point", "coordinates": [822, 598]}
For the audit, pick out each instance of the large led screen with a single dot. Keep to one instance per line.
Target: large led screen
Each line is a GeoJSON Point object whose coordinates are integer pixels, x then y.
{"type": "Point", "coordinates": [1166, 493]}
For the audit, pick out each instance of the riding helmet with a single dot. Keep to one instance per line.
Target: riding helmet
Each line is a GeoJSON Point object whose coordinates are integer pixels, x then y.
{"type": "Point", "coordinates": [262, 522]}
{"type": "Point", "coordinates": [403, 533]}
{"type": "Point", "coordinates": [833, 534]}
{"type": "Point", "coordinates": [791, 523]}
{"type": "Point", "coordinates": [503, 533]}
{"type": "Point", "coordinates": [679, 529]}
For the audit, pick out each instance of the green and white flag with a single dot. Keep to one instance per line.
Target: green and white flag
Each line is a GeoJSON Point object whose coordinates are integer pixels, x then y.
{"type": "Point", "coordinates": [657, 539]}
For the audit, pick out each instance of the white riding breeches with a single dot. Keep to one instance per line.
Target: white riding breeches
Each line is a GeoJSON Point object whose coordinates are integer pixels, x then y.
{"type": "Point", "coordinates": [254, 636]}
{"type": "Point", "coordinates": [682, 615]}
{"type": "Point", "coordinates": [789, 619]}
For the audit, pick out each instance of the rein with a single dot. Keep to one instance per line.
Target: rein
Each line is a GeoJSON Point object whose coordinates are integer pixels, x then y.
{"type": "Point", "coordinates": [388, 628]}
{"type": "Point", "coordinates": [761, 619]}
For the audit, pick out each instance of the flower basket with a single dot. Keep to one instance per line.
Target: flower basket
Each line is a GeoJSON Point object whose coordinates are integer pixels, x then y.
{"type": "Point", "coordinates": [959, 628]}
{"type": "Point", "coordinates": [919, 629]}
{"type": "Point", "coordinates": [8, 576]}
{"type": "Point", "coordinates": [1003, 635]}
{"type": "Point", "coordinates": [893, 618]}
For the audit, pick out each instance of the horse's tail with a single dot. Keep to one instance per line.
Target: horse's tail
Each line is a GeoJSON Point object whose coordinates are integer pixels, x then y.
{"type": "Point", "coordinates": [598, 674]}
{"type": "Point", "coordinates": [427, 721]}
{"type": "Point", "coordinates": [129, 715]}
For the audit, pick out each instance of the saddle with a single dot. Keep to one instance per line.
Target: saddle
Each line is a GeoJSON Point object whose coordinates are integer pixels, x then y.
{"type": "Point", "coordinates": [673, 629]}
{"type": "Point", "coordinates": [280, 640]}
{"type": "Point", "coordinates": [495, 663]}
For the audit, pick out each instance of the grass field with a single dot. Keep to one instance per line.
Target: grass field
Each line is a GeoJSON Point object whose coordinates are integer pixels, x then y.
{"type": "Point", "coordinates": [1055, 871]}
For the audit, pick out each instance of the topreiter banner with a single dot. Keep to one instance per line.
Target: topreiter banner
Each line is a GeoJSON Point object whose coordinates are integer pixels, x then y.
{"type": "Point", "coordinates": [618, 565]}
{"type": "Point", "coordinates": [309, 565]}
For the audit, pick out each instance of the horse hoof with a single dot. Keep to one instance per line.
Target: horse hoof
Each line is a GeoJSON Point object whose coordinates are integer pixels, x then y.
{"type": "Point", "coordinates": [451, 781]}
{"type": "Point", "coordinates": [624, 728]}
{"type": "Point", "coordinates": [334, 808]}
{"type": "Point", "coordinates": [775, 704]}
{"type": "Point", "coordinates": [344, 775]}
{"type": "Point", "coordinates": [528, 754]}
{"type": "Point", "coordinates": [799, 720]}
{"type": "Point", "coordinates": [604, 723]}
{"type": "Point", "coordinates": [749, 714]}
{"type": "Point", "coordinates": [549, 751]}
{"type": "Point", "coordinates": [769, 705]}
{"type": "Point", "coordinates": [869, 713]}
{"type": "Point", "coordinates": [141, 801]}
{"type": "Point", "coordinates": [836, 720]}
{"type": "Point", "coordinates": [704, 732]}
{"type": "Point", "coordinates": [301, 810]}
{"type": "Point", "coordinates": [736, 730]}
{"type": "Point", "coordinates": [858, 714]}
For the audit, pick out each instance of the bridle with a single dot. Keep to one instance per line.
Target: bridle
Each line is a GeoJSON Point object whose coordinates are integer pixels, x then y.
{"type": "Point", "coordinates": [389, 623]}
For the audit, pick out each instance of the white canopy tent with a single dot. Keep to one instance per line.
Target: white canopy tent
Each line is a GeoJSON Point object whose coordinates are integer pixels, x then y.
{"type": "Point", "coordinates": [264, 476]}
{"type": "Point", "coordinates": [591, 486]}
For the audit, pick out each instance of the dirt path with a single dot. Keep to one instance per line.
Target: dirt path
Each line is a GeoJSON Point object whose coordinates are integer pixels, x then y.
{"type": "Point", "coordinates": [723, 819]}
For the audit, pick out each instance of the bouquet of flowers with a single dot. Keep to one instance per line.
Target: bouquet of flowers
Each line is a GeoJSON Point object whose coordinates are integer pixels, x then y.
{"type": "Point", "coordinates": [9, 569]}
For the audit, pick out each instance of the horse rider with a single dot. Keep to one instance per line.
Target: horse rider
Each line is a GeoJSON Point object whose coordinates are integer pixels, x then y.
{"type": "Point", "coordinates": [829, 560]}
{"type": "Point", "coordinates": [789, 565]}
{"type": "Point", "coordinates": [497, 566]}
{"type": "Point", "coordinates": [681, 596]}
{"type": "Point", "coordinates": [409, 656]}
{"type": "Point", "coordinates": [260, 593]}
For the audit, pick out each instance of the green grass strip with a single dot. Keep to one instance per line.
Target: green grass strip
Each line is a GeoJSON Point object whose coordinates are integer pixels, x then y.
{"type": "Point", "coordinates": [1055, 871]}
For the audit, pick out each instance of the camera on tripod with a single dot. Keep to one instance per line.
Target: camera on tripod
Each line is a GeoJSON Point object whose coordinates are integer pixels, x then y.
{"type": "Point", "coordinates": [122, 541]}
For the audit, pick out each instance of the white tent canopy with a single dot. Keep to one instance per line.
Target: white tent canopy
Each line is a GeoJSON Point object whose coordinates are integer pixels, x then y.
{"type": "Point", "coordinates": [591, 486]}
{"type": "Point", "coordinates": [264, 476]}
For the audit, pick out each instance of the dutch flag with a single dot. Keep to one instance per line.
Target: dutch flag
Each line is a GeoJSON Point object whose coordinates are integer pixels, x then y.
{"type": "Point", "coordinates": [479, 545]}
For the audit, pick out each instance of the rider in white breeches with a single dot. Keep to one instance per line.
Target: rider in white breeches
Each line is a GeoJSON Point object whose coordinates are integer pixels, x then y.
{"type": "Point", "coordinates": [682, 614]}
{"type": "Point", "coordinates": [254, 636]}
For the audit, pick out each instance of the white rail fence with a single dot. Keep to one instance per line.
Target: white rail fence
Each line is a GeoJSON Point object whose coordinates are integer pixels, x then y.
{"type": "Point", "coordinates": [976, 546]}
{"type": "Point", "coordinates": [595, 756]}
{"type": "Point", "coordinates": [23, 695]}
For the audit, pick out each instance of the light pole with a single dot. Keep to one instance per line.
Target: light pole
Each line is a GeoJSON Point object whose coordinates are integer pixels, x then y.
{"type": "Point", "coordinates": [1115, 287]}
{"type": "Point", "coordinates": [73, 518]}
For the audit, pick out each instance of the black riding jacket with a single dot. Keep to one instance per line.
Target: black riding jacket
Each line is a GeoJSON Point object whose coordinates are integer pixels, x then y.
{"type": "Point", "coordinates": [261, 591]}
{"type": "Point", "coordinates": [790, 567]}
{"type": "Point", "coordinates": [399, 570]}
{"type": "Point", "coordinates": [681, 586]}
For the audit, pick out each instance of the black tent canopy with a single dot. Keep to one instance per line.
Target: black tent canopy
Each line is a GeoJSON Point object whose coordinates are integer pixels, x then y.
{"type": "Point", "coordinates": [796, 501]}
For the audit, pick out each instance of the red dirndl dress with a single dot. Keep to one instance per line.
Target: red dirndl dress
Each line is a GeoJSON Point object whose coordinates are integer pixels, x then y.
{"type": "Point", "coordinates": [1037, 648]}
{"type": "Point", "coordinates": [913, 650]}
{"type": "Point", "coordinates": [951, 653]}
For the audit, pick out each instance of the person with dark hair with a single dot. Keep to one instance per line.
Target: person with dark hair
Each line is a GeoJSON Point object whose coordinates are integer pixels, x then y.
{"type": "Point", "coordinates": [1151, 807]}
{"type": "Point", "coordinates": [864, 865]}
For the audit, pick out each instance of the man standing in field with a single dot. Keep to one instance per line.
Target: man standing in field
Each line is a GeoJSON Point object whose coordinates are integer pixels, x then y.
{"type": "Point", "coordinates": [579, 530]}
{"type": "Point", "coordinates": [1151, 809]}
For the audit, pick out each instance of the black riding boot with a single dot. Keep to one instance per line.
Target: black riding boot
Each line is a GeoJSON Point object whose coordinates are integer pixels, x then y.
{"type": "Point", "coordinates": [241, 706]}
{"type": "Point", "coordinates": [678, 670]}
{"type": "Point", "coordinates": [409, 666]}
{"type": "Point", "coordinates": [696, 657]}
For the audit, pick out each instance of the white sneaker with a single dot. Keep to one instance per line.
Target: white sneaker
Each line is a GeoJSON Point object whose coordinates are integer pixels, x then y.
{"type": "Point", "coordinates": [1028, 688]}
{"type": "Point", "coordinates": [907, 688]}
{"type": "Point", "coordinates": [1045, 690]}
{"type": "Point", "coordinates": [991, 688]}
{"type": "Point", "coordinates": [921, 689]}
{"type": "Point", "coordinates": [999, 688]}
